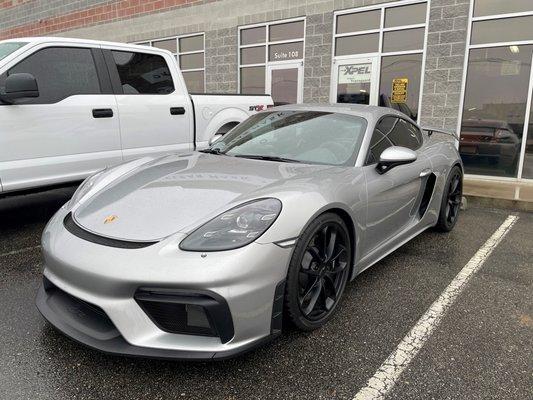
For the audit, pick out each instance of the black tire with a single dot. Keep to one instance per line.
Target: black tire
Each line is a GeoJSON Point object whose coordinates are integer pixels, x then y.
{"type": "Point", "coordinates": [451, 200]}
{"type": "Point", "coordinates": [318, 273]}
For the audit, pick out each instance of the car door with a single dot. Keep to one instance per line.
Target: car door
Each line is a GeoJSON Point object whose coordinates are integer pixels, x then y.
{"type": "Point", "coordinates": [154, 108]}
{"type": "Point", "coordinates": [393, 197]}
{"type": "Point", "coordinates": [70, 130]}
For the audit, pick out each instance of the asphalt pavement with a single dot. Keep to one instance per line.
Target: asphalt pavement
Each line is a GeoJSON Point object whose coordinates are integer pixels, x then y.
{"type": "Point", "coordinates": [483, 348]}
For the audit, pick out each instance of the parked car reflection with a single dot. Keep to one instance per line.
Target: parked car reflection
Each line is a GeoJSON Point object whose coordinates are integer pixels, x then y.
{"type": "Point", "coordinates": [491, 142]}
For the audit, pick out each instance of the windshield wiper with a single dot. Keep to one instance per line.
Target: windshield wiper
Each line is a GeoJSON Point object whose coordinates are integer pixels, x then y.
{"type": "Point", "coordinates": [211, 151]}
{"type": "Point", "coordinates": [267, 158]}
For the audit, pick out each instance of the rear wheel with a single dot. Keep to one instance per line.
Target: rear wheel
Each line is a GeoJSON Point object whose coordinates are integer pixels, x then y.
{"type": "Point", "coordinates": [318, 272]}
{"type": "Point", "coordinates": [451, 200]}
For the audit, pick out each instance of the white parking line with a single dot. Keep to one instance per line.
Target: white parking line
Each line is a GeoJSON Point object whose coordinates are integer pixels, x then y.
{"type": "Point", "coordinates": [389, 372]}
{"type": "Point", "coordinates": [23, 250]}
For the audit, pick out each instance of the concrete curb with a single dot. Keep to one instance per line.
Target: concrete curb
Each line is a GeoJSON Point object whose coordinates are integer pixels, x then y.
{"type": "Point", "coordinates": [506, 204]}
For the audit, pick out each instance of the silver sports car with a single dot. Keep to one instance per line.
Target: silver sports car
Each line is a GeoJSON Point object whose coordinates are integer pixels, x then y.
{"type": "Point", "coordinates": [204, 255]}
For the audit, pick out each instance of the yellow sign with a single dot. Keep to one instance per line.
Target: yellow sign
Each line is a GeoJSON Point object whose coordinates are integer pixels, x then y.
{"type": "Point", "coordinates": [399, 90]}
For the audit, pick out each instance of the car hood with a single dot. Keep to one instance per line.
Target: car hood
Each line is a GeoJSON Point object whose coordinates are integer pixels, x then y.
{"type": "Point", "coordinates": [177, 193]}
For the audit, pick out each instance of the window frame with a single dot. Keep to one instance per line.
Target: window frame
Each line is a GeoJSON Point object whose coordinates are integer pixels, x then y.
{"type": "Point", "coordinates": [178, 53]}
{"type": "Point", "coordinates": [115, 77]}
{"type": "Point", "coordinates": [368, 150]}
{"type": "Point", "coordinates": [469, 46]}
{"type": "Point", "coordinates": [381, 30]}
{"type": "Point", "coordinates": [266, 44]}
{"type": "Point", "coordinates": [99, 65]}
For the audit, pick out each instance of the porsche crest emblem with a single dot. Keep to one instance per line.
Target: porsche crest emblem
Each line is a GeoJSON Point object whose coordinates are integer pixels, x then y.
{"type": "Point", "coordinates": [110, 219]}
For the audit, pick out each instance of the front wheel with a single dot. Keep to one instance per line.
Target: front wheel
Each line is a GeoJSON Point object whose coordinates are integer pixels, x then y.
{"type": "Point", "coordinates": [451, 200]}
{"type": "Point", "coordinates": [318, 272]}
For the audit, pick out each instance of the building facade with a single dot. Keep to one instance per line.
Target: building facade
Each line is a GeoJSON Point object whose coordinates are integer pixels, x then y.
{"type": "Point", "coordinates": [463, 65]}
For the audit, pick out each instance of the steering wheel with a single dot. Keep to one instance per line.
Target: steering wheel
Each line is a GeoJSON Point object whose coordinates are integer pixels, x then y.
{"type": "Point", "coordinates": [337, 150]}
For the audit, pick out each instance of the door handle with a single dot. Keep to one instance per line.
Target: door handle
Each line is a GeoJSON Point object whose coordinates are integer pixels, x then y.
{"type": "Point", "coordinates": [425, 172]}
{"type": "Point", "coordinates": [177, 110]}
{"type": "Point", "coordinates": [102, 113]}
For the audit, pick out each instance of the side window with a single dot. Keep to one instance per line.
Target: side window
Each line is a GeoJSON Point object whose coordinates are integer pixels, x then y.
{"type": "Point", "coordinates": [142, 73]}
{"type": "Point", "coordinates": [60, 72]}
{"type": "Point", "coordinates": [405, 134]}
{"type": "Point", "coordinates": [379, 141]}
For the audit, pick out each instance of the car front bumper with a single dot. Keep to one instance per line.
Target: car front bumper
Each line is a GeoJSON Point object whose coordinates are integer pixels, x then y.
{"type": "Point", "coordinates": [91, 293]}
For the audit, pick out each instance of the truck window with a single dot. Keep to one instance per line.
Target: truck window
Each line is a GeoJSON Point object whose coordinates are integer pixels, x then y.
{"type": "Point", "coordinates": [142, 73]}
{"type": "Point", "coordinates": [60, 72]}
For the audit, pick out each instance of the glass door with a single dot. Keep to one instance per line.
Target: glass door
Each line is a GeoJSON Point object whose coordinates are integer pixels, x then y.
{"type": "Point", "coordinates": [284, 83]}
{"type": "Point", "coordinates": [355, 81]}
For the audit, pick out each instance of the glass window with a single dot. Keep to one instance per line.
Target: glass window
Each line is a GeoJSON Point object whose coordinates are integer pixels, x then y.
{"type": "Point", "coordinates": [253, 55]}
{"type": "Point", "coordinates": [192, 61]}
{"type": "Point", "coordinates": [9, 47]}
{"type": "Point", "coordinates": [359, 44]}
{"type": "Point", "coordinates": [60, 72]}
{"type": "Point", "coordinates": [407, 39]}
{"type": "Point", "coordinates": [286, 51]}
{"type": "Point", "coordinates": [253, 35]}
{"type": "Point", "coordinates": [401, 67]}
{"type": "Point", "coordinates": [194, 81]}
{"type": "Point", "coordinates": [494, 109]}
{"type": "Point", "coordinates": [285, 86]}
{"type": "Point", "coordinates": [405, 15]}
{"type": "Point", "coordinates": [253, 80]}
{"type": "Point", "coordinates": [353, 83]}
{"type": "Point", "coordinates": [502, 30]}
{"type": "Point", "coordinates": [527, 171]}
{"type": "Point", "coordinates": [142, 73]}
{"type": "Point", "coordinates": [286, 31]}
{"type": "Point", "coordinates": [378, 144]}
{"type": "Point", "coordinates": [493, 7]}
{"type": "Point", "coordinates": [304, 136]}
{"type": "Point", "coordinates": [191, 43]}
{"type": "Point", "coordinates": [358, 22]}
{"type": "Point", "coordinates": [405, 134]}
{"type": "Point", "coordinates": [170, 45]}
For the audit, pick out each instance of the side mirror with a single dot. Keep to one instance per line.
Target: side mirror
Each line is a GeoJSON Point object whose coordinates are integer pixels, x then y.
{"type": "Point", "coordinates": [19, 86]}
{"type": "Point", "coordinates": [394, 156]}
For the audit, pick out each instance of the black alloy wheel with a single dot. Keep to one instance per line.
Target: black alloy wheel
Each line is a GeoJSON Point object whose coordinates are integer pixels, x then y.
{"type": "Point", "coordinates": [451, 200]}
{"type": "Point", "coordinates": [318, 273]}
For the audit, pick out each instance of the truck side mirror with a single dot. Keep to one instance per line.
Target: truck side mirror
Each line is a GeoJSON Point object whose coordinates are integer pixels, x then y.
{"type": "Point", "coordinates": [19, 86]}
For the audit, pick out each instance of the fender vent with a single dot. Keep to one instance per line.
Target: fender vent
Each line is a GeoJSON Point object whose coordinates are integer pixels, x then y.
{"type": "Point", "coordinates": [428, 194]}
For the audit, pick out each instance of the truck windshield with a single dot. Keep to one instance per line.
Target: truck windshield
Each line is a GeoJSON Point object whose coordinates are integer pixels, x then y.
{"type": "Point", "coordinates": [313, 137]}
{"type": "Point", "coordinates": [7, 48]}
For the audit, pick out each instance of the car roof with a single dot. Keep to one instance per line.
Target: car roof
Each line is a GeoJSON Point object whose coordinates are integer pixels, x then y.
{"type": "Point", "coordinates": [370, 113]}
{"type": "Point", "coordinates": [58, 39]}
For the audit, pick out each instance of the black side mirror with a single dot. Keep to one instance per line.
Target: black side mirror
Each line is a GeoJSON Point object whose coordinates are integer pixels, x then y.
{"type": "Point", "coordinates": [394, 156]}
{"type": "Point", "coordinates": [19, 86]}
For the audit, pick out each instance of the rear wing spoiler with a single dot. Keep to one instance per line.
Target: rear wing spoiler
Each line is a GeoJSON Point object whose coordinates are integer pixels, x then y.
{"type": "Point", "coordinates": [430, 130]}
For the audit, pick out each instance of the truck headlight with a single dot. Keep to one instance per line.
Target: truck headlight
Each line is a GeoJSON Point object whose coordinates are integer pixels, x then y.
{"type": "Point", "coordinates": [235, 228]}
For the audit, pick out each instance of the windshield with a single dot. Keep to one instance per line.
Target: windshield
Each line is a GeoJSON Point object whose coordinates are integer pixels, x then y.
{"type": "Point", "coordinates": [299, 136]}
{"type": "Point", "coordinates": [9, 47]}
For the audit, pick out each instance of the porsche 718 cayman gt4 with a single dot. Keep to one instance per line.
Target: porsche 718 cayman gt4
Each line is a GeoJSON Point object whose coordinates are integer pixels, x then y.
{"type": "Point", "coordinates": [203, 255]}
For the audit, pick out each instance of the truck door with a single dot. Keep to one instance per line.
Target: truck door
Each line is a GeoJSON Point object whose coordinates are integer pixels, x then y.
{"type": "Point", "coordinates": [155, 110]}
{"type": "Point", "coordinates": [70, 130]}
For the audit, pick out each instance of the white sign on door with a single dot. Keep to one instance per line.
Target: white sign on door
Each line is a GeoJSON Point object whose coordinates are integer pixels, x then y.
{"type": "Point", "coordinates": [355, 73]}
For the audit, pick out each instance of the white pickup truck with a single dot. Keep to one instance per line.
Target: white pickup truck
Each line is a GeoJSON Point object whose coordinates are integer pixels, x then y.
{"type": "Point", "coordinates": [69, 107]}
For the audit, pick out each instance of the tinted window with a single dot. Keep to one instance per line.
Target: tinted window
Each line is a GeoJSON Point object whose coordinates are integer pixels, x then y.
{"type": "Point", "coordinates": [392, 131]}
{"type": "Point", "coordinates": [142, 73]}
{"type": "Point", "coordinates": [60, 73]}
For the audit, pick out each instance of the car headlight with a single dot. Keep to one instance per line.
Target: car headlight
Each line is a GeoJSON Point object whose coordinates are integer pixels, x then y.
{"type": "Point", "coordinates": [85, 187]}
{"type": "Point", "coordinates": [235, 228]}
